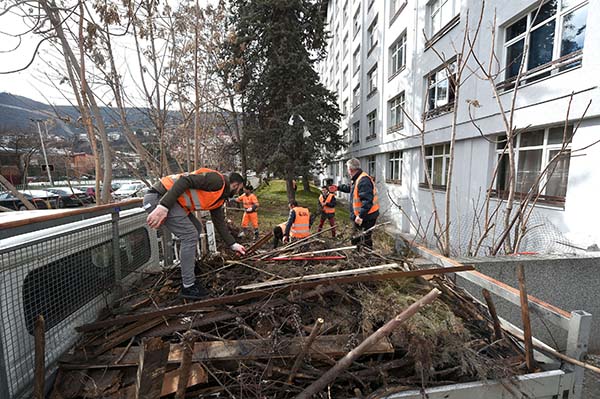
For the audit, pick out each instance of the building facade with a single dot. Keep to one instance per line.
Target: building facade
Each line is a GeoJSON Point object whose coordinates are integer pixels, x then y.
{"type": "Point", "coordinates": [392, 63]}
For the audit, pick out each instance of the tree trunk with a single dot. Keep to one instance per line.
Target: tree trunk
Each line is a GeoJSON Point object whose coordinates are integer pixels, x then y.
{"type": "Point", "coordinates": [305, 183]}
{"type": "Point", "coordinates": [291, 193]}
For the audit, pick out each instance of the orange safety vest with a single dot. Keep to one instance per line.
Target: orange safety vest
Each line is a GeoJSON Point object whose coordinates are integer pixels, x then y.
{"type": "Point", "coordinates": [357, 204]}
{"type": "Point", "coordinates": [193, 199]}
{"type": "Point", "coordinates": [301, 226]}
{"type": "Point", "coordinates": [326, 208]}
{"type": "Point", "coordinates": [248, 200]}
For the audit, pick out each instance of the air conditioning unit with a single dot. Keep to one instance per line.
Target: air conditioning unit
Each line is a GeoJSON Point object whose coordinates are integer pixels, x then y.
{"type": "Point", "coordinates": [65, 273]}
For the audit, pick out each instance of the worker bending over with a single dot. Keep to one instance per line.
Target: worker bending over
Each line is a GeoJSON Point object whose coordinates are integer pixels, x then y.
{"type": "Point", "coordinates": [297, 225]}
{"type": "Point", "coordinates": [173, 199]}
{"type": "Point", "coordinates": [327, 209]}
{"type": "Point", "coordinates": [250, 203]}
{"type": "Point", "coordinates": [364, 202]}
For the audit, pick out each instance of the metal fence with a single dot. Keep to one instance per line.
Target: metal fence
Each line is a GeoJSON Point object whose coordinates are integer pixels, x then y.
{"type": "Point", "coordinates": [66, 273]}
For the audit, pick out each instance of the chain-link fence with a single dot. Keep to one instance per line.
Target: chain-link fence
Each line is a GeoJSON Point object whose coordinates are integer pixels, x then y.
{"type": "Point", "coordinates": [66, 274]}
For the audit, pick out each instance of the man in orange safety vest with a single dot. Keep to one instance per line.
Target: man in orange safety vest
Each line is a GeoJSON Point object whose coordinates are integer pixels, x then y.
{"type": "Point", "coordinates": [297, 225]}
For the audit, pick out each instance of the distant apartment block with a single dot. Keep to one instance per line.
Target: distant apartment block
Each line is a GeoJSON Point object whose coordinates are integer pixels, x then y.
{"type": "Point", "coordinates": [395, 60]}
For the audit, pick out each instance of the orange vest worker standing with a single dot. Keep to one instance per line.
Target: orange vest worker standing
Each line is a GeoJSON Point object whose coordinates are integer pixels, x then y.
{"type": "Point", "coordinates": [250, 203]}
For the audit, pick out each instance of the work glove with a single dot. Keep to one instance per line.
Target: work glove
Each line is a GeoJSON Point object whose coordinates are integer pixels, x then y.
{"type": "Point", "coordinates": [239, 248]}
{"type": "Point", "coordinates": [286, 239]}
{"type": "Point", "coordinates": [358, 220]}
{"type": "Point", "coordinates": [249, 210]}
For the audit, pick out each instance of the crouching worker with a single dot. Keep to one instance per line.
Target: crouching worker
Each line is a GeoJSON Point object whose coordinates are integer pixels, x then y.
{"type": "Point", "coordinates": [297, 225]}
{"type": "Point", "coordinates": [250, 203]}
{"type": "Point", "coordinates": [327, 209]}
{"type": "Point", "coordinates": [171, 202]}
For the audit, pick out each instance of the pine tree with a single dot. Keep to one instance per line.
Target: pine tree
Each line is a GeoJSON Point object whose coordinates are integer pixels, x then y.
{"type": "Point", "coordinates": [280, 43]}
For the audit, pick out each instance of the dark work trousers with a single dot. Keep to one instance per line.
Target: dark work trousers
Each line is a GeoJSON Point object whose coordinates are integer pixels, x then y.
{"type": "Point", "coordinates": [277, 236]}
{"type": "Point", "coordinates": [187, 228]}
{"type": "Point", "coordinates": [331, 218]}
{"type": "Point", "coordinates": [364, 239]}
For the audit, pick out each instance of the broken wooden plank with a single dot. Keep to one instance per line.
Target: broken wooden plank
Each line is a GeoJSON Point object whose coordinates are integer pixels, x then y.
{"type": "Point", "coordinates": [197, 375]}
{"type": "Point", "coordinates": [152, 362]}
{"type": "Point", "coordinates": [186, 364]}
{"type": "Point", "coordinates": [363, 270]}
{"type": "Point", "coordinates": [370, 341]}
{"type": "Point", "coordinates": [122, 336]}
{"type": "Point", "coordinates": [258, 244]}
{"type": "Point", "coordinates": [267, 292]}
{"type": "Point", "coordinates": [529, 360]}
{"type": "Point", "coordinates": [321, 251]}
{"type": "Point", "coordinates": [303, 258]}
{"type": "Point", "coordinates": [492, 309]}
{"type": "Point", "coordinates": [305, 349]}
{"type": "Point", "coordinates": [249, 349]}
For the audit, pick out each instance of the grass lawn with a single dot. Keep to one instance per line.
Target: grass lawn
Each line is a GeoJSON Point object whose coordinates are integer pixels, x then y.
{"type": "Point", "coordinates": [274, 205]}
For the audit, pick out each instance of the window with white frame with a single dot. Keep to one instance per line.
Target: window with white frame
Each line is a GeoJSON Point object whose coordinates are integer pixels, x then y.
{"type": "Point", "coordinates": [345, 107]}
{"type": "Point", "coordinates": [372, 35]}
{"type": "Point", "coordinates": [394, 168]}
{"type": "Point", "coordinates": [441, 13]}
{"type": "Point", "coordinates": [372, 80]}
{"type": "Point", "coordinates": [398, 54]}
{"type": "Point", "coordinates": [536, 150]}
{"type": "Point", "coordinates": [356, 60]}
{"type": "Point", "coordinates": [345, 45]}
{"type": "Point", "coordinates": [372, 165]}
{"type": "Point", "coordinates": [556, 31]}
{"type": "Point", "coordinates": [440, 89]}
{"type": "Point", "coordinates": [356, 97]}
{"type": "Point", "coordinates": [372, 124]}
{"type": "Point", "coordinates": [345, 77]}
{"type": "Point", "coordinates": [356, 22]}
{"type": "Point", "coordinates": [396, 105]}
{"type": "Point", "coordinates": [395, 7]}
{"type": "Point", "coordinates": [437, 158]}
{"type": "Point", "coordinates": [356, 132]}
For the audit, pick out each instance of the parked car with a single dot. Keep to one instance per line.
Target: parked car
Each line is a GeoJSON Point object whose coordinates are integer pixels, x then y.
{"type": "Point", "coordinates": [135, 189]}
{"type": "Point", "coordinates": [39, 198]}
{"type": "Point", "coordinates": [90, 191]}
{"type": "Point", "coordinates": [71, 196]}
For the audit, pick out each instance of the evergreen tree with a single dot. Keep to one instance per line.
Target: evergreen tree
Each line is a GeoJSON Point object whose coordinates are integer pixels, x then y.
{"type": "Point", "coordinates": [280, 42]}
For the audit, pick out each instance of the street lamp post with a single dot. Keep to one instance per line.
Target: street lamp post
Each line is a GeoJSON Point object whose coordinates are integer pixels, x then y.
{"type": "Point", "coordinates": [44, 150]}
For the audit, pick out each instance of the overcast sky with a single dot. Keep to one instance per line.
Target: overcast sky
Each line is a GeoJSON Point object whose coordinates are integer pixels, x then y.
{"type": "Point", "coordinates": [33, 82]}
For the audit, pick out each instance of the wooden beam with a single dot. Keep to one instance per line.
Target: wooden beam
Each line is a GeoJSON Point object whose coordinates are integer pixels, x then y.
{"type": "Point", "coordinates": [40, 357]}
{"type": "Point", "coordinates": [364, 346]}
{"type": "Point", "coordinates": [526, 320]}
{"type": "Point", "coordinates": [197, 375]}
{"type": "Point", "coordinates": [186, 364]}
{"type": "Point", "coordinates": [305, 349]}
{"type": "Point", "coordinates": [249, 349]}
{"type": "Point", "coordinates": [492, 309]}
{"type": "Point", "coordinates": [267, 292]}
{"type": "Point", "coordinates": [123, 335]}
{"type": "Point", "coordinates": [152, 362]}
{"type": "Point", "coordinates": [258, 244]}
{"type": "Point", "coordinates": [363, 270]}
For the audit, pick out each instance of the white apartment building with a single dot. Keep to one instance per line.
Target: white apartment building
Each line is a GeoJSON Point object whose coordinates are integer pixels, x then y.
{"type": "Point", "coordinates": [385, 55]}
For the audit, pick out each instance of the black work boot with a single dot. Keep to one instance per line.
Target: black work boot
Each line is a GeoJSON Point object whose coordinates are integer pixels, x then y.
{"type": "Point", "coordinates": [196, 292]}
{"type": "Point", "coordinates": [256, 234]}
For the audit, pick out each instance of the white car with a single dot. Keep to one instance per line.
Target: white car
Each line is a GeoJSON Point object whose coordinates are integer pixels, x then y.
{"type": "Point", "coordinates": [135, 189]}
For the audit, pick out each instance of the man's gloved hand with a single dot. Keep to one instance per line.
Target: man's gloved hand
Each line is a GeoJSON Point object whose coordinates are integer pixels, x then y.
{"type": "Point", "coordinates": [286, 239]}
{"type": "Point", "coordinates": [239, 248]}
{"type": "Point", "coordinates": [358, 221]}
{"type": "Point", "coordinates": [249, 210]}
{"type": "Point", "coordinates": [157, 216]}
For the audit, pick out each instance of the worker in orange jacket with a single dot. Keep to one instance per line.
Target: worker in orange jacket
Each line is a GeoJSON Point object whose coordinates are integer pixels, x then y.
{"type": "Point", "coordinates": [296, 227]}
{"type": "Point", "coordinates": [327, 209]}
{"type": "Point", "coordinates": [250, 203]}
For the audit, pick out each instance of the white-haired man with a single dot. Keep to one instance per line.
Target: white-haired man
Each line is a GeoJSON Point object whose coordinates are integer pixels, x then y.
{"type": "Point", "coordinates": [364, 202]}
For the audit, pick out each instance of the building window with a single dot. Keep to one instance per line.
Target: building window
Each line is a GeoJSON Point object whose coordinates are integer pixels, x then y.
{"type": "Point", "coordinates": [396, 105]}
{"type": "Point", "coordinates": [356, 60]}
{"type": "Point", "coordinates": [534, 150]}
{"type": "Point", "coordinates": [345, 77]}
{"type": "Point", "coordinates": [372, 81]}
{"type": "Point", "coordinates": [345, 45]}
{"type": "Point", "coordinates": [346, 136]}
{"type": "Point", "coordinates": [440, 90]}
{"type": "Point", "coordinates": [437, 158]}
{"type": "Point", "coordinates": [356, 132]}
{"type": "Point", "coordinates": [345, 107]}
{"type": "Point", "coordinates": [557, 32]}
{"type": "Point", "coordinates": [398, 55]}
{"type": "Point", "coordinates": [356, 22]}
{"type": "Point", "coordinates": [372, 165]}
{"type": "Point", "coordinates": [396, 7]}
{"type": "Point", "coordinates": [441, 13]}
{"type": "Point", "coordinates": [394, 168]}
{"type": "Point", "coordinates": [372, 35]}
{"type": "Point", "coordinates": [372, 125]}
{"type": "Point", "coordinates": [356, 97]}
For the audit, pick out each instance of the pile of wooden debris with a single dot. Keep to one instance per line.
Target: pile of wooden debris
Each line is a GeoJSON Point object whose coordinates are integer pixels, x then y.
{"type": "Point", "coordinates": [277, 324]}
